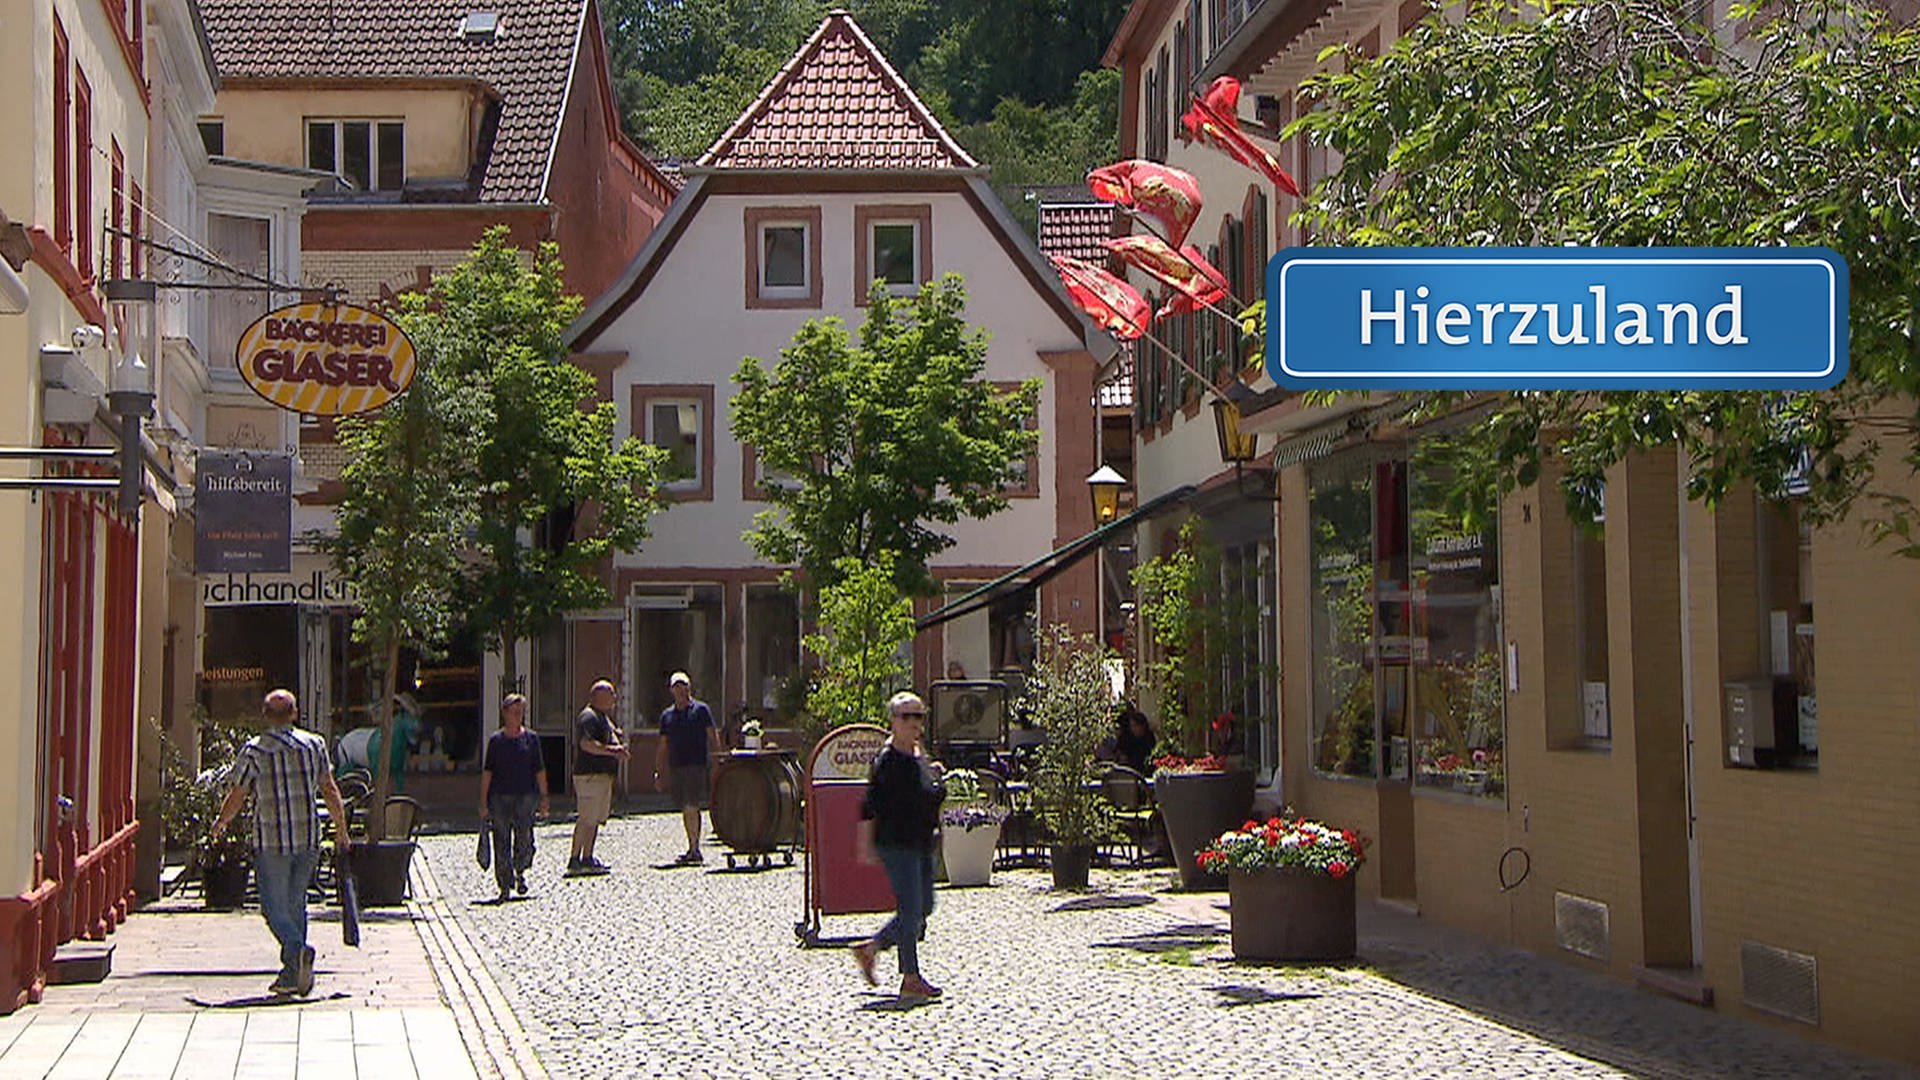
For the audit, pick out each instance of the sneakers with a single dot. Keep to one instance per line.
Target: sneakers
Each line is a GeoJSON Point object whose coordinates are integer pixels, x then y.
{"type": "Point", "coordinates": [580, 867]}
{"type": "Point", "coordinates": [913, 986]}
{"type": "Point", "coordinates": [304, 980]}
{"type": "Point", "coordinates": [283, 988]}
{"type": "Point", "coordinates": [691, 858]}
{"type": "Point", "coordinates": [520, 883]}
{"type": "Point", "coordinates": [863, 958]}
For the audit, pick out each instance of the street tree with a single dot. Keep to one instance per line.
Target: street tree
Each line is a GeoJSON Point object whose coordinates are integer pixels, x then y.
{"type": "Point", "coordinates": [402, 522]}
{"type": "Point", "coordinates": [872, 445]}
{"type": "Point", "coordinates": [555, 492]}
{"type": "Point", "coordinates": [1618, 122]}
{"type": "Point", "coordinates": [864, 627]}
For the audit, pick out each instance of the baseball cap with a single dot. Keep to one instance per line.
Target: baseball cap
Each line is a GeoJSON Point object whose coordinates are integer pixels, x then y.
{"type": "Point", "coordinates": [679, 678]}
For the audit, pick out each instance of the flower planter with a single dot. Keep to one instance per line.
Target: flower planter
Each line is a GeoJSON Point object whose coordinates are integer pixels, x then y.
{"type": "Point", "coordinates": [1285, 914]}
{"type": "Point", "coordinates": [224, 885]}
{"type": "Point", "coordinates": [380, 871]}
{"type": "Point", "coordinates": [1197, 807]}
{"type": "Point", "coordinates": [969, 854]}
{"type": "Point", "coordinates": [1071, 865]}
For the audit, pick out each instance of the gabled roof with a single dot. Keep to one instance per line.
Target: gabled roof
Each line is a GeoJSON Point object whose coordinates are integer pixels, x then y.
{"type": "Point", "coordinates": [837, 104]}
{"type": "Point", "coordinates": [529, 63]}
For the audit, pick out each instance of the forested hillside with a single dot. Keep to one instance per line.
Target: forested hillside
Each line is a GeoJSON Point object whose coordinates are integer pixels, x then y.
{"type": "Point", "coordinates": [1018, 82]}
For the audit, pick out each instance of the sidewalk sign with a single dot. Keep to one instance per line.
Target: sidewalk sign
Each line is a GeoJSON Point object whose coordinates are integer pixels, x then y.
{"type": "Point", "coordinates": [836, 882]}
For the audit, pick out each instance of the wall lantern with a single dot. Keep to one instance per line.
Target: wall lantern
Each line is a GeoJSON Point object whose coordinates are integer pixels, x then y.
{"type": "Point", "coordinates": [1106, 484]}
{"type": "Point", "coordinates": [1237, 446]}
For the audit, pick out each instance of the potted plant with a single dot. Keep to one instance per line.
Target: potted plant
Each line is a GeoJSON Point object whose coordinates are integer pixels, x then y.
{"type": "Point", "coordinates": [1200, 791]}
{"type": "Point", "coordinates": [750, 733]}
{"type": "Point", "coordinates": [189, 805]}
{"type": "Point", "coordinates": [969, 834]}
{"type": "Point", "coordinates": [1291, 888]}
{"type": "Point", "coordinates": [1069, 696]}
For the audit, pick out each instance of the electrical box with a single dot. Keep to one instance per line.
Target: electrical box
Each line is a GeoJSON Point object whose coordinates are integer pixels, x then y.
{"type": "Point", "coordinates": [1762, 718]}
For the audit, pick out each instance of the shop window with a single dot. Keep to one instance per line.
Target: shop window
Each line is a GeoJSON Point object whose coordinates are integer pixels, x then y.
{"type": "Point", "coordinates": [1405, 613]}
{"type": "Point", "coordinates": [369, 153]}
{"type": "Point", "coordinates": [1590, 629]}
{"type": "Point", "coordinates": [1340, 509]}
{"type": "Point", "coordinates": [772, 652]}
{"type": "Point", "coordinates": [1251, 679]}
{"type": "Point", "coordinates": [1785, 730]}
{"type": "Point", "coordinates": [1457, 699]}
{"type": "Point", "coordinates": [675, 628]}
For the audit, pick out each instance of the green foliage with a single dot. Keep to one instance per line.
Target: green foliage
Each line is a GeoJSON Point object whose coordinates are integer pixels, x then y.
{"type": "Point", "coordinates": [1027, 144]}
{"type": "Point", "coordinates": [1070, 698]}
{"type": "Point", "coordinates": [884, 439]}
{"type": "Point", "coordinates": [1196, 629]}
{"type": "Point", "coordinates": [542, 452]}
{"type": "Point", "coordinates": [1603, 122]}
{"type": "Point", "coordinates": [865, 625]}
{"type": "Point", "coordinates": [190, 797]}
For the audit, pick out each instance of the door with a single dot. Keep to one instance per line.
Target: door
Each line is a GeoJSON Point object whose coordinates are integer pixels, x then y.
{"type": "Point", "coordinates": [316, 670]}
{"type": "Point", "coordinates": [1393, 678]}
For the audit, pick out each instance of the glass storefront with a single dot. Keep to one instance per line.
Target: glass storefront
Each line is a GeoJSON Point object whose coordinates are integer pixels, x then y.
{"type": "Point", "coordinates": [1405, 608]}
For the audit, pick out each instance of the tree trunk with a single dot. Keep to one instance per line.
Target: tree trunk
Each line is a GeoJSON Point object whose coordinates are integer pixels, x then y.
{"type": "Point", "coordinates": [509, 664]}
{"type": "Point", "coordinates": [382, 776]}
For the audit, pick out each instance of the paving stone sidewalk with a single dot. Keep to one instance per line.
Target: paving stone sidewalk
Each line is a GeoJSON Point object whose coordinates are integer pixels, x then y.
{"type": "Point", "coordinates": [187, 1000]}
{"type": "Point", "coordinates": [663, 972]}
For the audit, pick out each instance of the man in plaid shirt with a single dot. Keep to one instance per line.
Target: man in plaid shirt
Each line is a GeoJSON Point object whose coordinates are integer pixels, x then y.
{"type": "Point", "coordinates": [286, 770]}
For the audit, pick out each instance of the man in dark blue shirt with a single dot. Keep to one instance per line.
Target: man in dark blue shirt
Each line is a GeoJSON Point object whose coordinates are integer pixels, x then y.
{"type": "Point", "coordinates": [687, 734]}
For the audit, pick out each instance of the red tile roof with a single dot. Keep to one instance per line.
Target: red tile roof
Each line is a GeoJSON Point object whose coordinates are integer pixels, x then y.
{"type": "Point", "coordinates": [837, 104]}
{"type": "Point", "coordinates": [1076, 230]}
{"type": "Point", "coordinates": [529, 64]}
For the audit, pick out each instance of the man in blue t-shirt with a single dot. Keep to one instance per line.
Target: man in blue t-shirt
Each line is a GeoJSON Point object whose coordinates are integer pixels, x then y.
{"type": "Point", "coordinates": [687, 734]}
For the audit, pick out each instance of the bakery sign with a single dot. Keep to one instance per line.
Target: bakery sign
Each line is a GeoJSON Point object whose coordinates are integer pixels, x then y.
{"type": "Point", "coordinates": [326, 359]}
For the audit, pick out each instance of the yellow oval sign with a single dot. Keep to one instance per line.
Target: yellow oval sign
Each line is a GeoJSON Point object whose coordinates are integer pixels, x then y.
{"type": "Point", "coordinates": [326, 359]}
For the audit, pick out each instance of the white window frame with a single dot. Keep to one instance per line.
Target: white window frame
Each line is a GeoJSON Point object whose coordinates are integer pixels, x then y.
{"type": "Point", "coordinates": [338, 123]}
{"type": "Point", "coordinates": [802, 291]}
{"type": "Point", "coordinates": [912, 285]}
{"type": "Point", "coordinates": [698, 480]}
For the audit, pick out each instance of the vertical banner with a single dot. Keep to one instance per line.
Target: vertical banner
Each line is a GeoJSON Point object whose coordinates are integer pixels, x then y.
{"type": "Point", "coordinates": [243, 512]}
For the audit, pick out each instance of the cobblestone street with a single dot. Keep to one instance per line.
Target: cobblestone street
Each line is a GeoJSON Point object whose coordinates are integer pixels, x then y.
{"type": "Point", "coordinates": [695, 973]}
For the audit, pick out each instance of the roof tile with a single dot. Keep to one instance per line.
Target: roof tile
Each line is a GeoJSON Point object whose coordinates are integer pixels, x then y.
{"type": "Point", "coordinates": [837, 104]}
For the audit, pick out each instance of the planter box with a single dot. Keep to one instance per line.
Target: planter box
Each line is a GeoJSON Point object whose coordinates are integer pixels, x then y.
{"type": "Point", "coordinates": [969, 854]}
{"type": "Point", "coordinates": [380, 871]}
{"type": "Point", "coordinates": [1071, 866]}
{"type": "Point", "coordinates": [224, 885]}
{"type": "Point", "coordinates": [1292, 915]}
{"type": "Point", "coordinates": [1197, 808]}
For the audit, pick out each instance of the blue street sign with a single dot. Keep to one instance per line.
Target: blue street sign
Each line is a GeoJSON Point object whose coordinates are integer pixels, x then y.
{"type": "Point", "coordinates": [1556, 318]}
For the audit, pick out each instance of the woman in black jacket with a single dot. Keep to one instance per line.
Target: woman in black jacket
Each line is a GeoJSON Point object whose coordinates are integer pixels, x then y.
{"type": "Point", "coordinates": [897, 827]}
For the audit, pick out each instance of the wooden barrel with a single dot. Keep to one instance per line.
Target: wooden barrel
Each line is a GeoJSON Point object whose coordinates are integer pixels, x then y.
{"type": "Point", "coordinates": [756, 800]}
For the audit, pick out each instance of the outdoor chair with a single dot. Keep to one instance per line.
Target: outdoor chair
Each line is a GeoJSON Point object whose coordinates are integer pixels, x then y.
{"type": "Point", "coordinates": [402, 817]}
{"type": "Point", "coordinates": [1133, 809]}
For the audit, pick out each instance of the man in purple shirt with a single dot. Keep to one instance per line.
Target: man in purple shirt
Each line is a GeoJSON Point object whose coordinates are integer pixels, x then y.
{"type": "Point", "coordinates": [687, 736]}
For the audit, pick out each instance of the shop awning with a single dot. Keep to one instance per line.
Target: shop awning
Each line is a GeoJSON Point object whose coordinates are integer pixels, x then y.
{"type": "Point", "coordinates": [1046, 567]}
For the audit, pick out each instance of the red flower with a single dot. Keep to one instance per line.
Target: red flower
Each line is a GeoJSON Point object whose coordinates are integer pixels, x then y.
{"type": "Point", "coordinates": [1250, 826]}
{"type": "Point", "coordinates": [1337, 869]}
{"type": "Point", "coordinates": [1275, 822]}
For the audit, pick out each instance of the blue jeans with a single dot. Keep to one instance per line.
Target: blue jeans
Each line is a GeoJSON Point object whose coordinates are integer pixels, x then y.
{"type": "Point", "coordinates": [910, 872]}
{"type": "Point", "coordinates": [511, 817]}
{"type": "Point", "coordinates": [283, 901]}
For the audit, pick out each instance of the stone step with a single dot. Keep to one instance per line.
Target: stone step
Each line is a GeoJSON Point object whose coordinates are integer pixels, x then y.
{"type": "Point", "coordinates": [81, 962]}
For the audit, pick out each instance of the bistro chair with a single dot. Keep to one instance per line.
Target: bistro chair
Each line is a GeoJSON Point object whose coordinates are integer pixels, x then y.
{"type": "Point", "coordinates": [1133, 809]}
{"type": "Point", "coordinates": [402, 818]}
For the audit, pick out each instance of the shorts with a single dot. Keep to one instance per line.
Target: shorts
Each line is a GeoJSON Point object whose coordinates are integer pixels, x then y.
{"type": "Point", "coordinates": [689, 784]}
{"type": "Point", "coordinates": [594, 794]}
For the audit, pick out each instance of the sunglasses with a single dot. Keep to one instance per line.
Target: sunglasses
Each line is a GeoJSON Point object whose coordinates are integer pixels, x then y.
{"type": "Point", "coordinates": [911, 715]}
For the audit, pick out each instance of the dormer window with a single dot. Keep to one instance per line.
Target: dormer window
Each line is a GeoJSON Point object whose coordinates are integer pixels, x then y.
{"type": "Point", "coordinates": [372, 154]}
{"type": "Point", "coordinates": [480, 27]}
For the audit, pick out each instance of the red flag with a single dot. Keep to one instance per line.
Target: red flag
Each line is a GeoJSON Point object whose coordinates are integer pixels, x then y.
{"type": "Point", "coordinates": [1198, 282]}
{"type": "Point", "coordinates": [1215, 118]}
{"type": "Point", "coordinates": [1170, 196]}
{"type": "Point", "coordinates": [1117, 306]}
